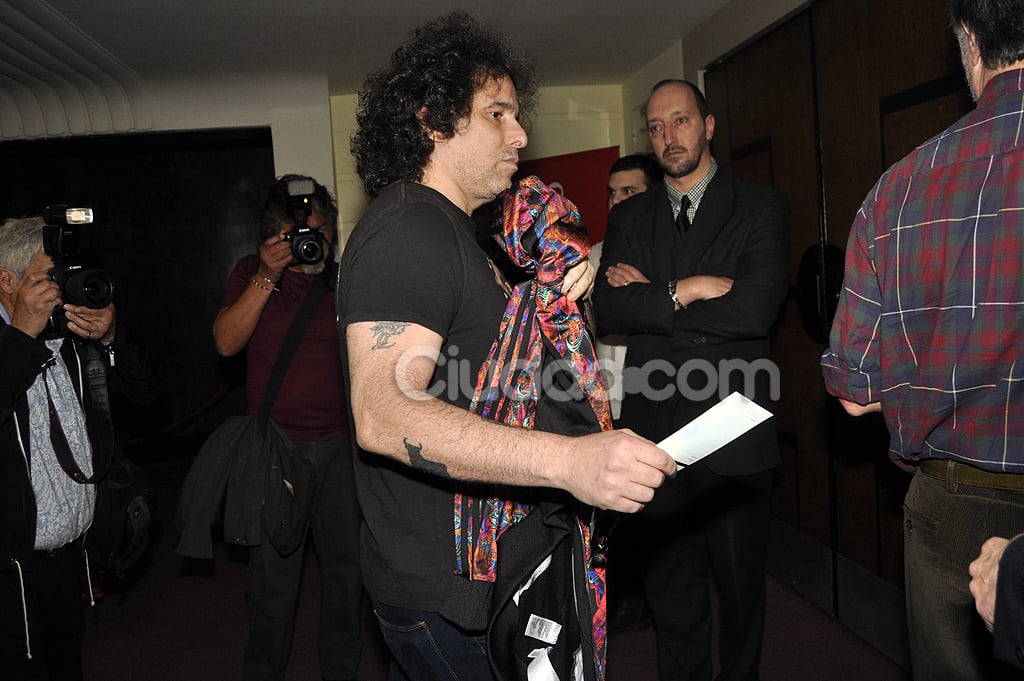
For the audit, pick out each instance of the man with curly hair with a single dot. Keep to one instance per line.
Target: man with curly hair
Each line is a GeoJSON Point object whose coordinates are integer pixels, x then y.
{"type": "Point", "coordinates": [420, 304]}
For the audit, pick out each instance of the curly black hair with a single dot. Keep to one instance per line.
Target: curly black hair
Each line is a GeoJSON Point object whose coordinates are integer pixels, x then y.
{"type": "Point", "coordinates": [430, 86]}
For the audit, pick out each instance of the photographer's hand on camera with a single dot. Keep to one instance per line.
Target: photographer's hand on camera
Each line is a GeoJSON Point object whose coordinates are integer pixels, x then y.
{"type": "Point", "coordinates": [98, 325]}
{"type": "Point", "coordinates": [275, 257]}
{"type": "Point", "coordinates": [37, 298]}
{"type": "Point", "coordinates": [235, 324]}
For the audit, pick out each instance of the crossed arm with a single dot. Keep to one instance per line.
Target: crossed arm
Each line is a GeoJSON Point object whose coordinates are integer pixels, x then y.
{"type": "Point", "coordinates": [688, 290]}
{"type": "Point", "coordinates": [738, 281]}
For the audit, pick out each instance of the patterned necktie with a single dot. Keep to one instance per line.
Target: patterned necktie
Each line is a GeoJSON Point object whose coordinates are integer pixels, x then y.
{"type": "Point", "coordinates": [683, 220]}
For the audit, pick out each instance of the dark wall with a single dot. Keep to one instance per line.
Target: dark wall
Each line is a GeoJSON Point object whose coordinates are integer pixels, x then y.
{"type": "Point", "coordinates": [172, 216]}
{"type": "Point", "coordinates": [763, 101]}
{"type": "Point", "coordinates": [890, 78]}
{"type": "Point", "coordinates": [819, 107]}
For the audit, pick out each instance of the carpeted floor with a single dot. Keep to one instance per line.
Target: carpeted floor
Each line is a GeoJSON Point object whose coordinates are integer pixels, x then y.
{"type": "Point", "coordinates": [179, 620]}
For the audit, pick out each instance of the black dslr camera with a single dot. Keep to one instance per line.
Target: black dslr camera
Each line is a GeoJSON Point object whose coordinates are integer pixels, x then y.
{"type": "Point", "coordinates": [307, 242]}
{"type": "Point", "coordinates": [62, 241]}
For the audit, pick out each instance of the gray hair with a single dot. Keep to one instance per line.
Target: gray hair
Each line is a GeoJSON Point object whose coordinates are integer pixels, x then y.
{"type": "Point", "coordinates": [20, 240]}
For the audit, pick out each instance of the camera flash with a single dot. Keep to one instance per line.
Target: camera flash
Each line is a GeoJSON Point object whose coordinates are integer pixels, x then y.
{"type": "Point", "coordinates": [78, 216]}
{"type": "Point", "coordinates": [300, 187]}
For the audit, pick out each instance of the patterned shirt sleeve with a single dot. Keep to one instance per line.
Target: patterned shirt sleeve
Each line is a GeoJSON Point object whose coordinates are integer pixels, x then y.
{"type": "Point", "coordinates": [851, 363]}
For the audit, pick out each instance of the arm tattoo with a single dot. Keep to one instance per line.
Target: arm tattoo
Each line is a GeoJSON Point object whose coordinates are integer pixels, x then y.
{"type": "Point", "coordinates": [418, 461]}
{"type": "Point", "coordinates": [383, 331]}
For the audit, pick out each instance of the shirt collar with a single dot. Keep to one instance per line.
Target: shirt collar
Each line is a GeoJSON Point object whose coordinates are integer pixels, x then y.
{"type": "Point", "coordinates": [695, 194]}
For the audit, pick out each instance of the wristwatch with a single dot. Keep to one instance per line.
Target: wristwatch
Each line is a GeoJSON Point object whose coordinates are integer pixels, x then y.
{"type": "Point", "coordinates": [673, 296]}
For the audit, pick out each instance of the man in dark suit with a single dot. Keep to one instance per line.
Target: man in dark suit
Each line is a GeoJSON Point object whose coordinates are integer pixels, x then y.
{"type": "Point", "coordinates": [693, 273]}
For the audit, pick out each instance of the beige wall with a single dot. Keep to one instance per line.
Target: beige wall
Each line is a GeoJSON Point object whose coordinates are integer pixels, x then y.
{"type": "Point", "coordinates": [668, 64]}
{"type": "Point", "coordinates": [571, 119]}
{"type": "Point", "coordinates": [295, 150]}
{"type": "Point", "coordinates": [348, 189]}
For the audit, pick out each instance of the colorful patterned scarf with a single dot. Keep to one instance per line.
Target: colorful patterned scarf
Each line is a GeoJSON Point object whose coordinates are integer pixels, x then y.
{"type": "Point", "coordinates": [542, 232]}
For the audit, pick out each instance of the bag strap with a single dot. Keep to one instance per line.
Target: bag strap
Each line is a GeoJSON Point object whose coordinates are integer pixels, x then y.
{"type": "Point", "coordinates": [100, 430]}
{"type": "Point", "coordinates": [303, 317]}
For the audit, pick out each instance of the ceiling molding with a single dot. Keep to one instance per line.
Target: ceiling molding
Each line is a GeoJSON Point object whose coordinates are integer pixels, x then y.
{"type": "Point", "coordinates": [55, 80]}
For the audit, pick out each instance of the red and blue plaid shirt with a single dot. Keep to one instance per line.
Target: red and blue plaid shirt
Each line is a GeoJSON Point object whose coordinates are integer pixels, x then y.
{"type": "Point", "coordinates": [931, 317]}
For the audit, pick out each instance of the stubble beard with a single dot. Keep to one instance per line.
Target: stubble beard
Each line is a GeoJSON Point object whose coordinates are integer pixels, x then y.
{"type": "Point", "coordinates": [502, 174]}
{"type": "Point", "coordinates": [681, 168]}
{"type": "Point", "coordinates": [488, 185]}
{"type": "Point", "coordinates": [314, 269]}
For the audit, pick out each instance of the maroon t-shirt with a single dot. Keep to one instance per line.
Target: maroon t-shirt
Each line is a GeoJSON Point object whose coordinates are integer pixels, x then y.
{"type": "Point", "coordinates": [310, 404]}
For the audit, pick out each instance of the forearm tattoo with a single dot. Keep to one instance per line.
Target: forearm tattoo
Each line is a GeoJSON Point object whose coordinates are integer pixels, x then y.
{"type": "Point", "coordinates": [383, 331]}
{"type": "Point", "coordinates": [420, 463]}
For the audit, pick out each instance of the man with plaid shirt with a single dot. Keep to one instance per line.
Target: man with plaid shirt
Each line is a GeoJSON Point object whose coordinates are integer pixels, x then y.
{"type": "Point", "coordinates": [930, 331]}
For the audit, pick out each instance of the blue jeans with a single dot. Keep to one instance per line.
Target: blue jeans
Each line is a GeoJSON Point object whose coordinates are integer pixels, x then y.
{"type": "Point", "coordinates": [945, 525]}
{"type": "Point", "coordinates": [426, 647]}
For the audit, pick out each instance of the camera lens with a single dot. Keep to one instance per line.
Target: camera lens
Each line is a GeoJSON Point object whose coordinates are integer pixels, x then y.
{"type": "Point", "coordinates": [307, 245]}
{"type": "Point", "coordinates": [309, 251]}
{"type": "Point", "coordinates": [91, 288]}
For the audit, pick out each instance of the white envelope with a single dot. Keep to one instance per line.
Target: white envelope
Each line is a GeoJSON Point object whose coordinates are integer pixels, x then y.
{"type": "Point", "coordinates": [715, 428]}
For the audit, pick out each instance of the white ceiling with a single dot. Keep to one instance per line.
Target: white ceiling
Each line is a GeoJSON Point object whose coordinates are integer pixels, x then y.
{"type": "Point", "coordinates": [75, 66]}
{"type": "Point", "coordinates": [576, 41]}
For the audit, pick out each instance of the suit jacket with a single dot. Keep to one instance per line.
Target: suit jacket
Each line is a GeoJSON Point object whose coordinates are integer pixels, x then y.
{"type": "Point", "coordinates": [1008, 629]}
{"type": "Point", "coordinates": [739, 231]}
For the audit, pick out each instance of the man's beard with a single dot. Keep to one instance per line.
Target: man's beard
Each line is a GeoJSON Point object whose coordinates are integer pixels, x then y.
{"type": "Point", "coordinates": [314, 269]}
{"type": "Point", "coordinates": [687, 167]}
{"type": "Point", "coordinates": [485, 186]}
{"type": "Point", "coordinates": [683, 167]}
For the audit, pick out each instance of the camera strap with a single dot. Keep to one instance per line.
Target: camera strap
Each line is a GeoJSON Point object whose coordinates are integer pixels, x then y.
{"type": "Point", "coordinates": [100, 430]}
{"type": "Point", "coordinates": [317, 289]}
{"type": "Point", "coordinates": [60, 443]}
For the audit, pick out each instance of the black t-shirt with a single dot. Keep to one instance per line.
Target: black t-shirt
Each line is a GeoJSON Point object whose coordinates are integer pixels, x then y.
{"type": "Point", "coordinates": [413, 258]}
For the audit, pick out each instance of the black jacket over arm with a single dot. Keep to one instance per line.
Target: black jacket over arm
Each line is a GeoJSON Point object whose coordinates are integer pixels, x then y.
{"type": "Point", "coordinates": [740, 231]}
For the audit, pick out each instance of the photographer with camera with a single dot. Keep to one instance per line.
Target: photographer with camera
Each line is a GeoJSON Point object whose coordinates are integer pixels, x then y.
{"type": "Point", "coordinates": [265, 291]}
{"type": "Point", "coordinates": [56, 360]}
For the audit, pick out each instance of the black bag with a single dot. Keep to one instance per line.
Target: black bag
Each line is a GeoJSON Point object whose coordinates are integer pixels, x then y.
{"type": "Point", "coordinates": [254, 465]}
{"type": "Point", "coordinates": [264, 482]}
{"type": "Point", "coordinates": [126, 503]}
{"type": "Point", "coordinates": [286, 506]}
